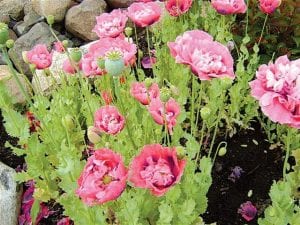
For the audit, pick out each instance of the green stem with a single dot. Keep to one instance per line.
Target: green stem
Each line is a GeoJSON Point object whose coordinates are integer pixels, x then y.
{"type": "Point", "coordinates": [262, 31]}
{"type": "Point", "coordinates": [218, 148]}
{"type": "Point", "coordinates": [201, 140]}
{"type": "Point", "coordinates": [214, 135]}
{"type": "Point", "coordinates": [13, 72]}
{"type": "Point", "coordinates": [148, 43]}
{"type": "Point", "coordinates": [199, 103]}
{"type": "Point", "coordinates": [247, 19]}
{"type": "Point", "coordinates": [287, 153]}
{"type": "Point", "coordinates": [137, 45]}
{"type": "Point", "coordinates": [117, 92]}
{"type": "Point", "coordinates": [192, 105]}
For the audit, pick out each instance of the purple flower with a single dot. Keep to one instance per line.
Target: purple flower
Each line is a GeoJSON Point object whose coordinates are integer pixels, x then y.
{"type": "Point", "coordinates": [236, 173]}
{"type": "Point", "coordinates": [148, 62]}
{"type": "Point", "coordinates": [247, 210]}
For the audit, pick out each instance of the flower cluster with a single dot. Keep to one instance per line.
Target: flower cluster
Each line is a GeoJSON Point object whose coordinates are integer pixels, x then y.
{"type": "Point", "coordinates": [104, 176]}
{"type": "Point", "coordinates": [277, 87]}
{"type": "Point", "coordinates": [207, 58]}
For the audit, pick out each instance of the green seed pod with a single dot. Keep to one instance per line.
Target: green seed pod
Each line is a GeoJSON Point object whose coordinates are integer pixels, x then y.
{"type": "Point", "coordinates": [10, 43]}
{"type": "Point", "coordinates": [93, 135]}
{"type": "Point", "coordinates": [148, 82]}
{"type": "Point", "coordinates": [76, 54]}
{"type": "Point", "coordinates": [205, 112]}
{"type": "Point", "coordinates": [4, 34]}
{"type": "Point", "coordinates": [222, 151]}
{"type": "Point", "coordinates": [65, 43]}
{"type": "Point", "coordinates": [114, 63]}
{"type": "Point", "coordinates": [165, 94]}
{"type": "Point", "coordinates": [180, 152]}
{"type": "Point", "coordinates": [128, 31]}
{"type": "Point", "coordinates": [50, 19]}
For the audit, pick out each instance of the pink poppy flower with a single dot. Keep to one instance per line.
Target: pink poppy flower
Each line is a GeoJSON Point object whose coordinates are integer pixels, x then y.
{"type": "Point", "coordinates": [39, 56]}
{"type": "Point", "coordinates": [148, 62]}
{"type": "Point", "coordinates": [178, 7]}
{"type": "Point", "coordinates": [269, 6]}
{"type": "Point", "coordinates": [165, 114]}
{"type": "Point", "coordinates": [225, 7]}
{"type": "Point", "coordinates": [59, 47]}
{"type": "Point", "coordinates": [207, 58]}
{"type": "Point", "coordinates": [108, 120]}
{"type": "Point", "coordinates": [277, 87]}
{"type": "Point", "coordinates": [188, 38]}
{"type": "Point", "coordinates": [100, 48]}
{"type": "Point", "coordinates": [69, 68]}
{"type": "Point", "coordinates": [248, 211]}
{"type": "Point", "coordinates": [156, 168]}
{"type": "Point", "coordinates": [144, 14]}
{"type": "Point", "coordinates": [110, 24]}
{"type": "Point", "coordinates": [140, 92]}
{"type": "Point", "coordinates": [103, 178]}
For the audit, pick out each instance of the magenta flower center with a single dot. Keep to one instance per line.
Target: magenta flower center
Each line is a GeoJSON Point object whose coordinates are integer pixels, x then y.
{"type": "Point", "coordinates": [157, 173]}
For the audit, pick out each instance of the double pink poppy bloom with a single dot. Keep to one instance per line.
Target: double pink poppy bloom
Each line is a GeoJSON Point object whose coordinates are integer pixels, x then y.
{"type": "Point", "coordinates": [103, 178]}
{"type": "Point", "coordinates": [107, 119]}
{"type": "Point", "coordinates": [98, 51]}
{"type": "Point", "coordinates": [144, 14]}
{"type": "Point", "coordinates": [207, 58]}
{"type": "Point", "coordinates": [269, 6]}
{"type": "Point", "coordinates": [39, 56]}
{"type": "Point", "coordinates": [225, 7]}
{"type": "Point", "coordinates": [277, 87]}
{"type": "Point", "coordinates": [156, 168]}
{"type": "Point", "coordinates": [110, 24]}
{"type": "Point", "coordinates": [143, 94]}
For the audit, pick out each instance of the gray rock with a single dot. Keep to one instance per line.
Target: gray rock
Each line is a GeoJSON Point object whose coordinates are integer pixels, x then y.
{"type": "Point", "coordinates": [119, 3]}
{"type": "Point", "coordinates": [4, 18]}
{"type": "Point", "coordinates": [29, 20]}
{"type": "Point", "coordinates": [38, 34]}
{"type": "Point", "coordinates": [13, 8]}
{"type": "Point", "coordinates": [10, 196]}
{"type": "Point", "coordinates": [81, 19]}
{"type": "Point", "coordinates": [57, 8]}
{"type": "Point", "coordinates": [12, 86]}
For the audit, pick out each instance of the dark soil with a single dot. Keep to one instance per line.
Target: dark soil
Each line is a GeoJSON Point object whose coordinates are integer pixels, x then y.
{"type": "Point", "coordinates": [6, 154]}
{"type": "Point", "coordinates": [261, 167]}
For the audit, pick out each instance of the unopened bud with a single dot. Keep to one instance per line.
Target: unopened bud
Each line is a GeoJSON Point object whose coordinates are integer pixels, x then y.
{"type": "Point", "coordinates": [148, 82]}
{"type": "Point", "coordinates": [32, 67]}
{"type": "Point", "coordinates": [180, 152]}
{"type": "Point", "coordinates": [222, 151]}
{"type": "Point", "coordinates": [68, 122]}
{"type": "Point", "coordinates": [165, 94]}
{"type": "Point", "coordinates": [24, 56]}
{"type": "Point", "coordinates": [205, 112]}
{"type": "Point", "coordinates": [4, 34]}
{"type": "Point", "coordinates": [10, 43]}
{"type": "Point", "coordinates": [65, 43]}
{"type": "Point", "coordinates": [50, 19]}
{"type": "Point", "coordinates": [93, 135]}
{"type": "Point", "coordinates": [128, 31]}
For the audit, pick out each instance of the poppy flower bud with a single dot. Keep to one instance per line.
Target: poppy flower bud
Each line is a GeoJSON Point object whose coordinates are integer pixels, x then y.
{"type": "Point", "coordinates": [4, 35]}
{"type": "Point", "coordinates": [10, 43]}
{"type": "Point", "coordinates": [148, 82]}
{"type": "Point", "coordinates": [65, 43]}
{"type": "Point", "coordinates": [205, 112]}
{"type": "Point", "coordinates": [180, 152]}
{"type": "Point", "coordinates": [165, 94]}
{"type": "Point", "coordinates": [76, 55]}
{"type": "Point", "coordinates": [93, 135]}
{"type": "Point", "coordinates": [128, 31]}
{"type": "Point", "coordinates": [24, 56]}
{"type": "Point", "coordinates": [50, 19]}
{"type": "Point", "coordinates": [68, 122]}
{"type": "Point", "coordinates": [222, 151]}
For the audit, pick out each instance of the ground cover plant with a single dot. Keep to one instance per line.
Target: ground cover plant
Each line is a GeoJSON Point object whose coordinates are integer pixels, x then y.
{"type": "Point", "coordinates": [137, 126]}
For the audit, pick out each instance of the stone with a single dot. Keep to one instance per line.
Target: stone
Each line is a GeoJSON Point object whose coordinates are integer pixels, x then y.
{"type": "Point", "coordinates": [38, 34]}
{"type": "Point", "coordinates": [81, 19]}
{"type": "Point", "coordinates": [12, 8]}
{"type": "Point", "coordinates": [43, 83]}
{"type": "Point", "coordinates": [30, 19]}
{"type": "Point", "coordinates": [10, 196]}
{"type": "Point", "coordinates": [12, 86]}
{"type": "Point", "coordinates": [57, 8]}
{"type": "Point", "coordinates": [119, 3]}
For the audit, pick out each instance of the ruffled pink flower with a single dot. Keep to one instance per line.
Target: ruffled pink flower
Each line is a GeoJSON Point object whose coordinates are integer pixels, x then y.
{"type": "Point", "coordinates": [69, 68]}
{"type": "Point", "coordinates": [39, 56]}
{"type": "Point", "coordinates": [103, 178]}
{"type": "Point", "coordinates": [148, 62]}
{"type": "Point", "coordinates": [156, 168]}
{"type": "Point", "coordinates": [225, 7]}
{"type": "Point", "coordinates": [144, 14]}
{"type": "Point", "coordinates": [98, 51]}
{"type": "Point", "coordinates": [207, 58]}
{"type": "Point", "coordinates": [269, 6]}
{"type": "Point", "coordinates": [277, 87]}
{"type": "Point", "coordinates": [110, 24]}
{"type": "Point", "coordinates": [140, 92]}
{"type": "Point", "coordinates": [178, 7]}
{"type": "Point", "coordinates": [108, 120]}
{"type": "Point", "coordinates": [248, 211]}
{"type": "Point", "coordinates": [165, 114]}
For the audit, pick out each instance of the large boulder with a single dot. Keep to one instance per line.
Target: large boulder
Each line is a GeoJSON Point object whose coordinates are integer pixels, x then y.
{"type": "Point", "coordinates": [12, 86]}
{"type": "Point", "coordinates": [10, 196]}
{"type": "Point", "coordinates": [13, 8]}
{"type": "Point", "coordinates": [119, 3]}
{"type": "Point", "coordinates": [81, 19]}
{"type": "Point", "coordinates": [57, 8]}
{"type": "Point", "coordinates": [38, 34]}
